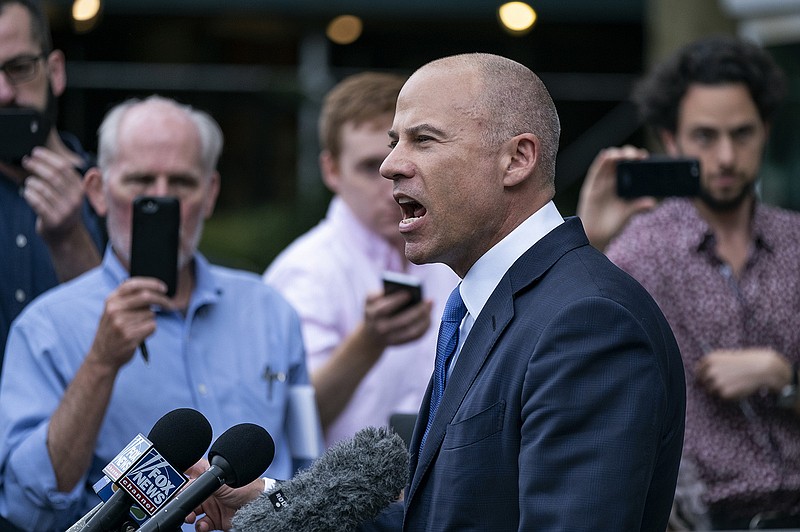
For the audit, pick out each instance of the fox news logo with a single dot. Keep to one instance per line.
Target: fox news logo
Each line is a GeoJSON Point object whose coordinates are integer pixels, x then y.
{"type": "Point", "coordinates": [127, 457]}
{"type": "Point", "coordinates": [152, 482]}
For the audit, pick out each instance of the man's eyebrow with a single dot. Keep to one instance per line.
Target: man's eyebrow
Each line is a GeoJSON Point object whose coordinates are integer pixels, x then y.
{"type": "Point", "coordinates": [416, 130]}
{"type": "Point", "coordinates": [425, 128]}
{"type": "Point", "coordinates": [137, 174]}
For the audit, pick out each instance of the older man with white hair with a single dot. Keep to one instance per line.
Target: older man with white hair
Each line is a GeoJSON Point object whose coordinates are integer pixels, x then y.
{"type": "Point", "coordinates": [73, 391]}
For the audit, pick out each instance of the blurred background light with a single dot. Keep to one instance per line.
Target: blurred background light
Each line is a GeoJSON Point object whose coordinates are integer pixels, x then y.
{"type": "Point", "coordinates": [517, 17]}
{"type": "Point", "coordinates": [85, 14]}
{"type": "Point", "coordinates": [344, 29]}
{"type": "Point", "coordinates": [83, 10]}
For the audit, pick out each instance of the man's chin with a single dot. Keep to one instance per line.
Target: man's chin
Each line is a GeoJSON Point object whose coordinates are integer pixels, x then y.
{"type": "Point", "coordinates": [415, 254]}
{"type": "Point", "coordinates": [726, 204]}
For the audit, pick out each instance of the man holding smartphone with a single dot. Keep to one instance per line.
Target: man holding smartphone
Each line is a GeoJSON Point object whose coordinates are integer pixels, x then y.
{"type": "Point", "coordinates": [723, 267]}
{"type": "Point", "coordinates": [48, 233]}
{"type": "Point", "coordinates": [74, 392]}
{"type": "Point", "coordinates": [369, 355]}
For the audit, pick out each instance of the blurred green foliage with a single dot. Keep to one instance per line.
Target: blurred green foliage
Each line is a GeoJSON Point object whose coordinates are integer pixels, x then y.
{"type": "Point", "coordinates": [251, 238]}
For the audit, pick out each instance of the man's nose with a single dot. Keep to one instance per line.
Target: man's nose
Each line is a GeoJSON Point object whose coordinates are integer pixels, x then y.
{"type": "Point", "coordinates": [7, 91]}
{"type": "Point", "coordinates": [394, 166]}
{"type": "Point", "coordinates": [159, 187]}
{"type": "Point", "coordinates": [726, 151]}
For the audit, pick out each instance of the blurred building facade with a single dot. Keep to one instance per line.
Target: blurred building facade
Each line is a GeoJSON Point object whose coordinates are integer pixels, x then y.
{"type": "Point", "coordinates": [261, 67]}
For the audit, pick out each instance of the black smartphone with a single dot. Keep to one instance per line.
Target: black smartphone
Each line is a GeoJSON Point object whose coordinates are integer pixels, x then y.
{"type": "Point", "coordinates": [21, 130]}
{"type": "Point", "coordinates": [659, 177]}
{"type": "Point", "coordinates": [154, 239]}
{"type": "Point", "coordinates": [396, 281]}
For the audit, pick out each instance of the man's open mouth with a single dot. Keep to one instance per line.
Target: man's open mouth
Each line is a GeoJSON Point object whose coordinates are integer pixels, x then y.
{"type": "Point", "coordinates": [411, 208]}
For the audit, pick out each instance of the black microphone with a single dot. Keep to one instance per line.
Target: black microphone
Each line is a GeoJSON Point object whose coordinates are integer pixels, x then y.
{"type": "Point", "coordinates": [181, 437]}
{"type": "Point", "coordinates": [350, 483]}
{"type": "Point", "coordinates": [239, 456]}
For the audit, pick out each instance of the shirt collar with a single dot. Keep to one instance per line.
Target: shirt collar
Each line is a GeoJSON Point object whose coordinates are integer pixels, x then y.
{"type": "Point", "coordinates": [206, 290]}
{"type": "Point", "coordinates": [761, 234]}
{"type": "Point", "coordinates": [485, 274]}
{"type": "Point", "coordinates": [699, 234]}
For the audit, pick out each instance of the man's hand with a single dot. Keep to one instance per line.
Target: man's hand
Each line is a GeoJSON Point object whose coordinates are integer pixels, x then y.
{"type": "Point", "coordinates": [601, 210]}
{"type": "Point", "coordinates": [386, 324]}
{"type": "Point", "coordinates": [128, 318]}
{"type": "Point", "coordinates": [218, 510]}
{"type": "Point", "coordinates": [733, 374]}
{"type": "Point", "coordinates": [54, 190]}
{"type": "Point", "coordinates": [383, 325]}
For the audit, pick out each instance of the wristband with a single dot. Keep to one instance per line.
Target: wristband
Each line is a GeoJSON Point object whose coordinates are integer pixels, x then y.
{"type": "Point", "coordinates": [269, 483]}
{"type": "Point", "coordinates": [788, 395]}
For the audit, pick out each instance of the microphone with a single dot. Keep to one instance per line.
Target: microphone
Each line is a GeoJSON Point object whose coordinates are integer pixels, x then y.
{"type": "Point", "coordinates": [238, 457]}
{"type": "Point", "coordinates": [180, 436]}
{"type": "Point", "coordinates": [352, 482]}
{"type": "Point", "coordinates": [80, 524]}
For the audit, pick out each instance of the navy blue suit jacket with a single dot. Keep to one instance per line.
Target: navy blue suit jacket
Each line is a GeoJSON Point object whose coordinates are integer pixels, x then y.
{"type": "Point", "coordinates": [565, 410]}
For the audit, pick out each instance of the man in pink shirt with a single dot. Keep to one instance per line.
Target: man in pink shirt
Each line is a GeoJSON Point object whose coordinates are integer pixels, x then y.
{"type": "Point", "coordinates": [369, 357]}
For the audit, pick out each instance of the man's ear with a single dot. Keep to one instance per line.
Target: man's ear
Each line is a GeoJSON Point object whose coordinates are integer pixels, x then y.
{"type": "Point", "coordinates": [57, 72]}
{"type": "Point", "coordinates": [329, 167]}
{"type": "Point", "coordinates": [93, 188]}
{"type": "Point", "coordinates": [667, 139]}
{"type": "Point", "coordinates": [521, 160]}
{"type": "Point", "coordinates": [212, 195]}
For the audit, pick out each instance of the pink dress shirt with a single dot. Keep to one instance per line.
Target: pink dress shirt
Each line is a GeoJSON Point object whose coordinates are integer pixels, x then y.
{"type": "Point", "coordinates": [326, 275]}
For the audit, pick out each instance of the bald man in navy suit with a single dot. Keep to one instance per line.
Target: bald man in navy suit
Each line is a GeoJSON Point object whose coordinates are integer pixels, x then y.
{"type": "Point", "coordinates": [563, 404]}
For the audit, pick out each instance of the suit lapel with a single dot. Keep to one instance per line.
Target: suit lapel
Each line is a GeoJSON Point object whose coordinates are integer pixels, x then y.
{"type": "Point", "coordinates": [489, 325]}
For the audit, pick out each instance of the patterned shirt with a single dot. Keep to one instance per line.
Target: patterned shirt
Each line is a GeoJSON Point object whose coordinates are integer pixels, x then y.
{"type": "Point", "coordinates": [747, 452]}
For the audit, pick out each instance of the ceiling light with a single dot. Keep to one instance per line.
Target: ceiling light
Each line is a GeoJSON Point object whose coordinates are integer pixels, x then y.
{"type": "Point", "coordinates": [516, 17]}
{"type": "Point", "coordinates": [344, 29]}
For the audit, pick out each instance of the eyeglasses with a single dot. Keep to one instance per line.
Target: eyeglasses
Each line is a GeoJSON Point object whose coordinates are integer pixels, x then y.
{"type": "Point", "coordinates": [21, 69]}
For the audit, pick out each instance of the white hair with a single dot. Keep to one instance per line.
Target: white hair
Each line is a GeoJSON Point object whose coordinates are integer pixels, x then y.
{"type": "Point", "coordinates": [211, 139]}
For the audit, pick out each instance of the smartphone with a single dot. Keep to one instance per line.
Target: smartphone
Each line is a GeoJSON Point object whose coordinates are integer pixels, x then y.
{"type": "Point", "coordinates": [154, 239]}
{"type": "Point", "coordinates": [396, 281]}
{"type": "Point", "coordinates": [659, 177]}
{"type": "Point", "coordinates": [21, 130]}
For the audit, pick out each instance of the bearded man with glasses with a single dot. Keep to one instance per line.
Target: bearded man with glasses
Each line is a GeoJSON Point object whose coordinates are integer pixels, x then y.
{"type": "Point", "coordinates": [48, 232]}
{"type": "Point", "coordinates": [22, 69]}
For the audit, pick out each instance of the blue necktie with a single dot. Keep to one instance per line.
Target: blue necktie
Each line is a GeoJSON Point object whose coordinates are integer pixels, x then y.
{"type": "Point", "coordinates": [454, 312]}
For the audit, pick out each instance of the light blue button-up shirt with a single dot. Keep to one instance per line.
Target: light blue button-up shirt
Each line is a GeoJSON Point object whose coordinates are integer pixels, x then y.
{"type": "Point", "coordinates": [233, 356]}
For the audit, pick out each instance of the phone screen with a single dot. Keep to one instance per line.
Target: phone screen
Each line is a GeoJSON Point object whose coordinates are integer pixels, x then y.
{"type": "Point", "coordinates": [21, 130]}
{"type": "Point", "coordinates": [154, 239]}
{"type": "Point", "coordinates": [659, 177]}
{"type": "Point", "coordinates": [395, 281]}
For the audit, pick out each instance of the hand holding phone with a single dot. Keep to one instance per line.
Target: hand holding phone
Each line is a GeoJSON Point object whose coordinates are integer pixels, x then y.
{"type": "Point", "coordinates": [396, 281]}
{"type": "Point", "coordinates": [21, 130]}
{"type": "Point", "coordinates": [154, 242]}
